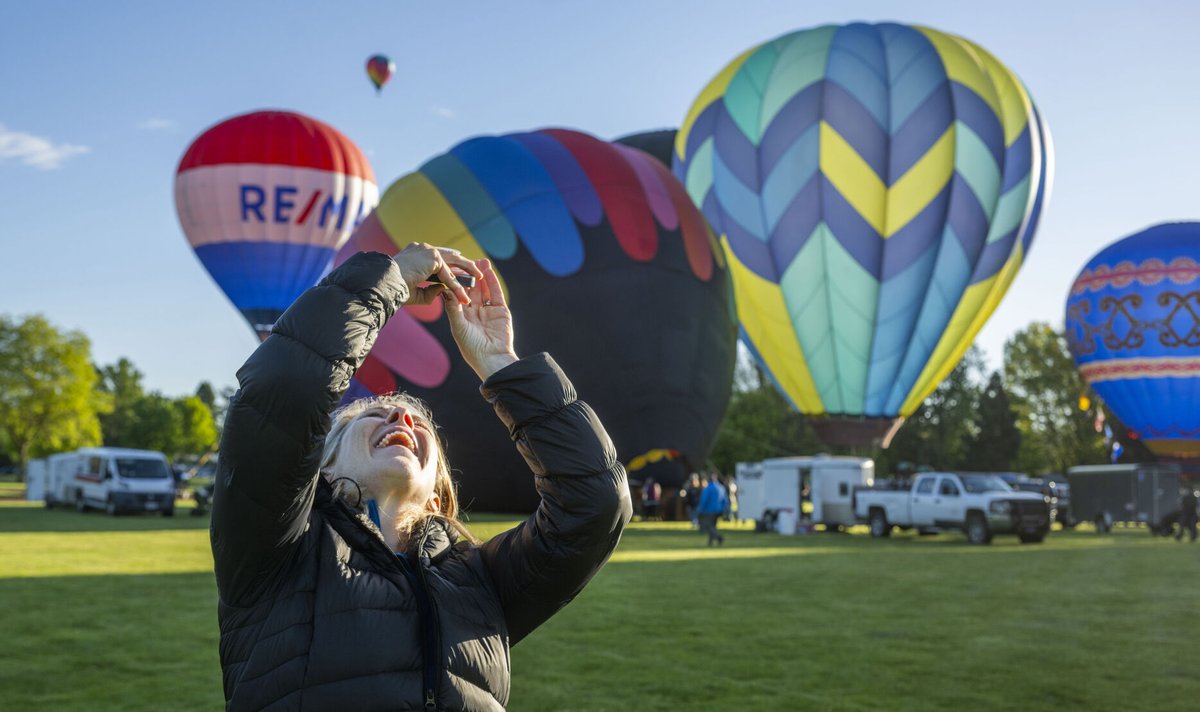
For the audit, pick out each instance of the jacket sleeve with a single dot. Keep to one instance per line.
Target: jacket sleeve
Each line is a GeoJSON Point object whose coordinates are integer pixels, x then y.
{"type": "Point", "coordinates": [542, 564]}
{"type": "Point", "coordinates": [276, 423]}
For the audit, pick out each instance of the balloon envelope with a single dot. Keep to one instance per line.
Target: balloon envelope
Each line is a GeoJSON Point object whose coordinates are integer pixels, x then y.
{"type": "Point", "coordinates": [1133, 325]}
{"type": "Point", "coordinates": [659, 143]}
{"type": "Point", "coordinates": [877, 188]}
{"type": "Point", "coordinates": [607, 266]}
{"type": "Point", "coordinates": [379, 70]}
{"type": "Point", "coordinates": [266, 199]}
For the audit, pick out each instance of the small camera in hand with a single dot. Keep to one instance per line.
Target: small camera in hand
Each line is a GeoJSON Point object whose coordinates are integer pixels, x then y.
{"type": "Point", "coordinates": [466, 280]}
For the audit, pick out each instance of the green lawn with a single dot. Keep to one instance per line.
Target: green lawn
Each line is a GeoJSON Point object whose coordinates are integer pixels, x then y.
{"type": "Point", "coordinates": [103, 613]}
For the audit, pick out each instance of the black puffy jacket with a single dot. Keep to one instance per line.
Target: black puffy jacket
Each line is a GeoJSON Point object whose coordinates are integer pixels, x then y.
{"type": "Point", "coordinates": [315, 612]}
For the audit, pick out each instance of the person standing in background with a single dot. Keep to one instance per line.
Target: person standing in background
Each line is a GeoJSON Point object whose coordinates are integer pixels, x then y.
{"type": "Point", "coordinates": [1187, 514]}
{"type": "Point", "coordinates": [713, 504]}
{"type": "Point", "coordinates": [691, 498]}
{"type": "Point", "coordinates": [651, 496]}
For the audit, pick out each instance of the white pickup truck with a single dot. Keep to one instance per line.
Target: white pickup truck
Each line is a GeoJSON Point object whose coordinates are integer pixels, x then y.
{"type": "Point", "coordinates": [979, 504]}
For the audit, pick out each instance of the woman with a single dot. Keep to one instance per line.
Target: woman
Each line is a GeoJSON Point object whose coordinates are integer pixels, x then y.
{"type": "Point", "coordinates": [345, 579]}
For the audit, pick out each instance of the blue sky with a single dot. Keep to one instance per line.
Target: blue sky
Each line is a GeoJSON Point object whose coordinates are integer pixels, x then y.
{"type": "Point", "coordinates": [99, 100]}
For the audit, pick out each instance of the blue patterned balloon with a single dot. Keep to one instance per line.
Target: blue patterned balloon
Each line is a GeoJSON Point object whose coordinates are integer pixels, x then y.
{"type": "Point", "coordinates": [1133, 325]}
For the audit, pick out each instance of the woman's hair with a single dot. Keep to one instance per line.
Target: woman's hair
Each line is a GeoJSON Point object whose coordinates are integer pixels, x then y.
{"type": "Point", "coordinates": [348, 490]}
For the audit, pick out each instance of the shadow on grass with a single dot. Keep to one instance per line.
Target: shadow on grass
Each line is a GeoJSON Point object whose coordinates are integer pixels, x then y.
{"type": "Point", "coordinates": [641, 545]}
{"type": "Point", "coordinates": [888, 628]}
{"type": "Point", "coordinates": [36, 518]}
{"type": "Point", "coordinates": [860, 624]}
{"type": "Point", "coordinates": [129, 642]}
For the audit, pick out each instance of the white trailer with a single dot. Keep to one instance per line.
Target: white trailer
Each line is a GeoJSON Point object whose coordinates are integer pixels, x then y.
{"type": "Point", "coordinates": [116, 480]}
{"type": "Point", "coordinates": [778, 485]}
{"type": "Point", "coordinates": [35, 480]}
{"type": "Point", "coordinates": [748, 477]}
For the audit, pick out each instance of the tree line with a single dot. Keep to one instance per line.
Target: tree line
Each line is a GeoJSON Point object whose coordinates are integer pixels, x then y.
{"type": "Point", "coordinates": [54, 398]}
{"type": "Point", "coordinates": [1026, 417]}
{"type": "Point", "coordinates": [1035, 415]}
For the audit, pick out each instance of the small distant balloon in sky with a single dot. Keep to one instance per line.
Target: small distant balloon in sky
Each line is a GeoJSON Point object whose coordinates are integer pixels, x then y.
{"type": "Point", "coordinates": [266, 199]}
{"type": "Point", "coordinates": [380, 69]}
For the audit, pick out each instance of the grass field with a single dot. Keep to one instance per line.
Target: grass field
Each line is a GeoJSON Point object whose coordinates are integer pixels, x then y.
{"type": "Point", "coordinates": [120, 613]}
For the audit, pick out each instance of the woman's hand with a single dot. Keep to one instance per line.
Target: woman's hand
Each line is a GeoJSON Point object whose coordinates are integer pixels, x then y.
{"type": "Point", "coordinates": [483, 328]}
{"type": "Point", "coordinates": [420, 262]}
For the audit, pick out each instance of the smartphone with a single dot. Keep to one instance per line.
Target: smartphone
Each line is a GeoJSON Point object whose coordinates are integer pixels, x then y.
{"type": "Point", "coordinates": [466, 280]}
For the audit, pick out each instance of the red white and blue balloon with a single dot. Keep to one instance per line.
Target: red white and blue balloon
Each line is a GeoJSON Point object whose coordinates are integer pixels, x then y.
{"type": "Point", "coordinates": [265, 200]}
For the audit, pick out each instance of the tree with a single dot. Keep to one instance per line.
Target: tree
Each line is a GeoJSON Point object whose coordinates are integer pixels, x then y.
{"type": "Point", "coordinates": [1045, 387]}
{"type": "Point", "coordinates": [747, 375]}
{"type": "Point", "coordinates": [207, 395]}
{"type": "Point", "coordinates": [995, 446]}
{"type": "Point", "coordinates": [198, 427]}
{"type": "Point", "coordinates": [157, 425]}
{"type": "Point", "coordinates": [173, 426]}
{"type": "Point", "coordinates": [940, 433]}
{"type": "Point", "coordinates": [48, 396]}
{"type": "Point", "coordinates": [759, 423]}
{"type": "Point", "coordinates": [152, 421]}
{"type": "Point", "coordinates": [123, 382]}
{"type": "Point", "coordinates": [217, 402]}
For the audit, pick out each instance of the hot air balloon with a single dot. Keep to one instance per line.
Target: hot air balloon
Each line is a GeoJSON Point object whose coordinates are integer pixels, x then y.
{"type": "Point", "coordinates": [606, 264]}
{"type": "Point", "coordinates": [379, 70]}
{"type": "Point", "coordinates": [659, 143]}
{"type": "Point", "coordinates": [876, 188]}
{"type": "Point", "coordinates": [266, 199]}
{"type": "Point", "coordinates": [1133, 326]}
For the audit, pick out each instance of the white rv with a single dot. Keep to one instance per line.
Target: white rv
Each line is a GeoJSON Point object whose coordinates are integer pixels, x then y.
{"type": "Point", "coordinates": [116, 480]}
{"type": "Point", "coordinates": [778, 485]}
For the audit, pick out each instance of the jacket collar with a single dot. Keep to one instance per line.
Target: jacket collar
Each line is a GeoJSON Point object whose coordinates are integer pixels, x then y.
{"type": "Point", "coordinates": [435, 536]}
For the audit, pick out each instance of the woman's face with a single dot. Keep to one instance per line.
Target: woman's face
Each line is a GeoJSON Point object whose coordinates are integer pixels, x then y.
{"type": "Point", "coordinates": [392, 453]}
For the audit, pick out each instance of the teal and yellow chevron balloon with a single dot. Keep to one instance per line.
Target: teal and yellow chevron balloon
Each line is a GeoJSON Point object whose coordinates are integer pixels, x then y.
{"type": "Point", "coordinates": [876, 188]}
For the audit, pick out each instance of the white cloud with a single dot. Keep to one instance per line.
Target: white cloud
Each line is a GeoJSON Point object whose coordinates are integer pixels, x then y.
{"type": "Point", "coordinates": [35, 151]}
{"type": "Point", "coordinates": [156, 124]}
{"type": "Point", "coordinates": [443, 111]}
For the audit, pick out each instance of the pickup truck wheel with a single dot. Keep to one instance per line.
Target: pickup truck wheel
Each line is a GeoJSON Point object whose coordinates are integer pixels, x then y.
{"type": "Point", "coordinates": [110, 507]}
{"type": "Point", "coordinates": [879, 524]}
{"type": "Point", "coordinates": [80, 505]}
{"type": "Point", "coordinates": [977, 529]}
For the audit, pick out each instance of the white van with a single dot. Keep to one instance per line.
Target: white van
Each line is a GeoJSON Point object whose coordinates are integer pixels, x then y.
{"type": "Point", "coordinates": [117, 480]}
{"type": "Point", "coordinates": [778, 485]}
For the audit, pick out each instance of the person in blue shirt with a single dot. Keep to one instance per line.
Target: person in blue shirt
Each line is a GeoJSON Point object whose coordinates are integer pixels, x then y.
{"type": "Point", "coordinates": [713, 503]}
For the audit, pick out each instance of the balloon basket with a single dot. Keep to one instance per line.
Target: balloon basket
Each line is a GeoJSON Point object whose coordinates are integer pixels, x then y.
{"type": "Point", "coordinates": [855, 431]}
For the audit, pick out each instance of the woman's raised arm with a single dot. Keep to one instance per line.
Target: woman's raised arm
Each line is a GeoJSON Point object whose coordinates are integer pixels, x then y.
{"type": "Point", "coordinates": [276, 423]}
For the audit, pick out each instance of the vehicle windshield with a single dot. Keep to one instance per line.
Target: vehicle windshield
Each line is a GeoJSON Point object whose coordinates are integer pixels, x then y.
{"type": "Point", "coordinates": [976, 484]}
{"type": "Point", "coordinates": [1030, 486]}
{"type": "Point", "coordinates": [141, 469]}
